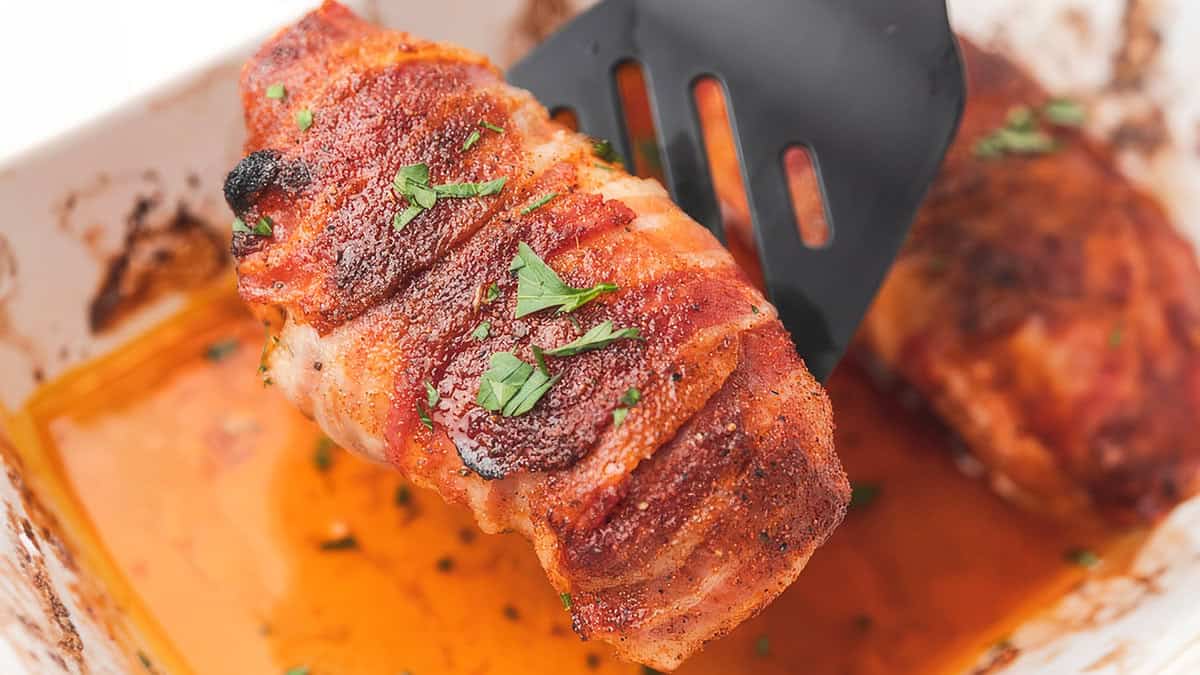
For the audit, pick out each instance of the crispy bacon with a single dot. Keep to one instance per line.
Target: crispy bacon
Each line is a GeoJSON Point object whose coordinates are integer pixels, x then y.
{"type": "Point", "coordinates": [1049, 312]}
{"type": "Point", "coordinates": [668, 529]}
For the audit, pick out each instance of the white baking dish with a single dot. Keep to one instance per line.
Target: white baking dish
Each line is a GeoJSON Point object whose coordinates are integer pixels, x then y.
{"type": "Point", "coordinates": [65, 212]}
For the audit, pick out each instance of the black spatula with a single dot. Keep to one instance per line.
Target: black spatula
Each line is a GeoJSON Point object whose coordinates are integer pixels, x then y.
{"type": "Point", "coordinates": [872, 88]}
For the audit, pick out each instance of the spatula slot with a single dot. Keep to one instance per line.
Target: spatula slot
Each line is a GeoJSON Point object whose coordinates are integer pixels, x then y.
{"type": "Point", "coordinates": [638, 121]}
{"type": "Point", "coordinates": [720, 148]}
{"type": "Point", "coordinates": [808, 200]}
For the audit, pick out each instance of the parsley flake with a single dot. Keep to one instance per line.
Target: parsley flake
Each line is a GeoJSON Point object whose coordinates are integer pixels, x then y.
{"type": "Point", "coordinates": [431, 394]}
{"type": "Point", "coordinates": [1082, 557]}
{"type": "Point", "coordinates": [424, 416]}
{"type": "Point", "coordinates": [598, 337]}
{"type": "Point", "coordinates": [323, 454]}
{"type": "Point", "coordinates": [512, 387]}
{"type": "Point", "coordinates": [491, 127]}
{"type": "Point", "coordinates": [619, 415]}
{"type": "Point", "coordinates": [276, 91]}
{"type": "Point", "coordinates": [604, 150]}
{"type": "Point", "coordinates": [481, 331]}
{"type": "Point", "coordinates": [304, 119]}
{"type": "Point", "coordinates": [566, 600]}
{"type": "Point", "coordinates": [1020, 135]}
{"type": "Point", "coordinates": [412, 182]}
{"type": "Point", "coordinates": [298, 670]}
{"type": "Point", "coordinates": [762, 646]}
{"type": "Point", "coordinates": [539, 287]}
{"type": "Point", "coordinates": [629, 399]}
{"type": "Point", "coordinates": [491, 293]}
{"type": "Point", "coordinates": [217, 351]}
{"type": "Point", "coordinates": [1064, 113]}
{"type": "Point", "coordinates": [1116, 336]}
{"type": "Point", "coordinates": [344, 543]}
{"type": "Point", "coordinates": [263, 228]}
{"type": "Point", "coordinates": [542, 201]}
{"type": "Point", "coordinates": [471, 140]}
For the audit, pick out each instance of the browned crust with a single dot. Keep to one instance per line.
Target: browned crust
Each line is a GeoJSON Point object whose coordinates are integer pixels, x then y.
{"type": "Point", "coordinates": [1051, 313]}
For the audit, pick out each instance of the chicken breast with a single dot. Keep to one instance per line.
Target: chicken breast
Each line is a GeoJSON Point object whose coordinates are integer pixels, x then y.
{"type": "Point", "coordinates": [1051, 314]}
{"type": "Point", "coordinates": [413, 230]}
{"type": "Point", "coordinates": [1043, 305]}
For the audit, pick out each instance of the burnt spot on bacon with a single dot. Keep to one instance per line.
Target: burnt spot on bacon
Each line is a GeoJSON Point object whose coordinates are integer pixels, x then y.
{"type": "Point", "coordinates": [259, 171]}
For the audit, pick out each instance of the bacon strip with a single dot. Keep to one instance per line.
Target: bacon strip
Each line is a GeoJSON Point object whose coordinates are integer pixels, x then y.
{"type": "Point", "coordinates": [666, 530]}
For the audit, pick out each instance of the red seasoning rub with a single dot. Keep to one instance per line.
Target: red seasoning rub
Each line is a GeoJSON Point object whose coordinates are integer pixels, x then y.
{"type": "Point", "coordinates": [513, 321]}
{"type": "Point", "coordinates": [1049, 311]}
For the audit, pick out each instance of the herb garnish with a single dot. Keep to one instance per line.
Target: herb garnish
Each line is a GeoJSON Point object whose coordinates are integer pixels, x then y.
{"type": "Point", "coordinates": [762, 646]}
{"type": "Point", "coordinates": [431, 394]}
{"type": "Point", "coordinates": [424, 416]}
{"type": "Point", "coordinates": [1082, 557]}
{"type": "Point", "coordinates": [491, 293]}
{"type": "Point", "coordinates": [541, 201]}
{"type": "Point", "coordinates": [1064, 112]}
{"type": "Point", "coordinates": [598, 337]}
{"type": "Point", "coordinates": [304, 119]}
{"type": "Point", "coordinates": [511, 386]}
{"type": "Point", "coordinates": [629, 399]}
{"type": "Point", "coordinates": [412, 182]}
{"type": "Point", "coordinates": [604, 150]}
{"type": "Point", "coordinates": [403, 496]}
{"type": "Point", "coordinates": [276, 91]}
{"type": "Point", "coordinates": [263, 228]}
{"type": "Point", "coordinates": [471, 140]}
{"type": "Point", "coordinates": [539, 287]}
{"type": "Point", "coordinates": [491, 127]}
{"type": "Point", "coordinates": [346, 542]}
{"type": "Point", "coordinates": [481, 331]}
{"type": "Point", "coordinates": [298, 670]}
{"type": "Point", "coordinates": [1021, 134]}
{"type": "Point", "coordinates": [323, 454]}
{"type": "Point", "coordinates": [566, 600]}
{"type": "Point", "coordinates": [863, 494]}
{"type": "Point", "coordinates": [217, 351]}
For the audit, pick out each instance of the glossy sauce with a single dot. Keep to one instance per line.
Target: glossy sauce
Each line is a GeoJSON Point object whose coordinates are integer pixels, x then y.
{"type": "Point", "coordinates": [206, 492]}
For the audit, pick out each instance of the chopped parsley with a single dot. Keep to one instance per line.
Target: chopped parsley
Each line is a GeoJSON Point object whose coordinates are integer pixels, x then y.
{"type": "Point", "coordinates": [1064, 112]}
{"type": "Point", "coordinates": [1021, 134]}
{"type": "Point", "coordinates": [263, 228]}
{"type": "Point", "coordinates": [491, 127]}
{"type": "Point", "coordinates": [566, 601]}
{"type": "Point", "coordinates": [431, 394]}
{"type": "Point", "coordinates": [539, 287]}
{"type": "Point", "coordinates": [276, 91]}
{"type": "Point", "coordinates": [512, 387]}
{"type": "Point", "coordinates": [541, 201]}
{"type": "Point", "coordinates": [598, 337]}
{"type": "Point", "coordinates": [762, 646]}
{"type": "Point", "coordinates": [471, 140]}
{"type": "Point", "coordinates": [481, 331]}
{"type": "Point", "coordinates": [539, 357]}
{"type": "Point", "coordinates": [1082, 557]}
{"type": "Point", "coordinates": [412, 182]}
{"type": "Point", "coordinates": [323, 454]}
{"type": "Point", "coordinates": [217, 351]}
{"type": "Point", "coordinates": [298, 670]}
{"type": "Point", "coordinates": [145, 660]}
{"type": "Point", "coordinates": [491, 293]}
{"type": "Point", "coordinates": [346, 542]}
{"type": "Point", "coordinates": [619, 415]}
{"type": "Point", "coordinates": [304, 119]}
{"type": "Point", "coordinates": [424, 416]}
{"type": "Point", "coordinates": [863, 494]}
{"type": "Point", "coordinates": [629, 399]}
{"type": "Point", "coordinates": [406, 216]}
{"type": "Point", "coordinates": [403, 496]}
{"type": "Point", "coordinates": [604, 150]}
